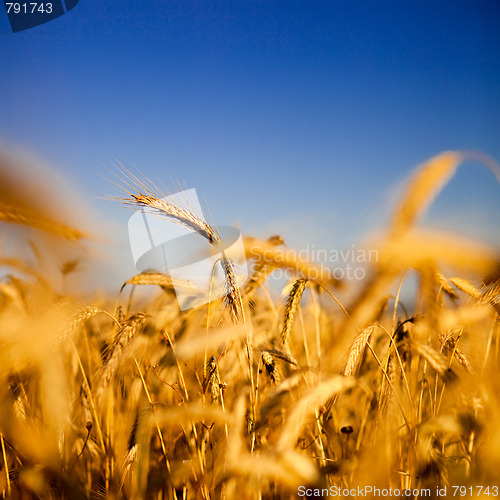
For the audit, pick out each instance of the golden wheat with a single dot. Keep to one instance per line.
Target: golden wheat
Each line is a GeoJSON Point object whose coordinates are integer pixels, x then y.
{"type": "Point", "coordinates": [397, 388]}
{"type": "Point", "coordinates": [291, 307]}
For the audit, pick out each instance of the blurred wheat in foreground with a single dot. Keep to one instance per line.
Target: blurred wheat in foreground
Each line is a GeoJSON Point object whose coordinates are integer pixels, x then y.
{"type": "Point", "coordinates": [247, 398]}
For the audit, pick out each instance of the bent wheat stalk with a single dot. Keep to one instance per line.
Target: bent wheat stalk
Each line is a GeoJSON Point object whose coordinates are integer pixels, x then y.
{"type": "Point", "coordinates": [77, 320]}
{"type": "Point", "coordinates": [161, 206]}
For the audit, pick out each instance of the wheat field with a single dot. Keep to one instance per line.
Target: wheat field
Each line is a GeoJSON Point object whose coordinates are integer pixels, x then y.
{"type": "Point", "coordinates": [253, 397]}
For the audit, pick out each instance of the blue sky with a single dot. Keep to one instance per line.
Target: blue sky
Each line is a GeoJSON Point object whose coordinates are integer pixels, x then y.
{"type": "Point", "coordinates": [292, 117]}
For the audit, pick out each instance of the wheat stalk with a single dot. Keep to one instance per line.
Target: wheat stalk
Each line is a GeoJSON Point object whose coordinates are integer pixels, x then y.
{"type": "Point", "coordinates": [186, 217]}
{"type": "Point", "coordinates": [149, 279]}
{"type": "Point", "coordinates": [121, 341]}
{"type": "Point", "coordinates": [291, 307]}
{"type": "Point", "coordinates": [267, 253]}
{"type": "Point", "coordinates": [445, 286]}
{"type": "Point", "coordinates": [163, 207]}
{"type": "Point", "coordinates": [356, 351]}
{"type": "Point", "coordinates": [464, 286]}
{"type": "Point", "coordinates": [77, 320]}
{"type": "Point", "coordinates": [308, 404]}
{"type": "Point", "coordinates": [27, 217]}
{"type": "Point", "coordinates": [386, 386]}
{"type": "Point", "coordinates": [259, 275]}
{"type": "Point", "coordinates": [425, 185]}
{"type": "Point", "coordinates": [435, 359]}
{"type": "Point", "coordinates": [232, 297]}
{"type": "Point", "coordinates": [450, 346]}
{"type": "Point", "coordinates": [490, 296]}
{"type": "Point", "coordinates": [212, 382]}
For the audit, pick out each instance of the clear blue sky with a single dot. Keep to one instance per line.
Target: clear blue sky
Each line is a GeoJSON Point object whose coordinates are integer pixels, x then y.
{"type": "Point", "coordinates": [299, 117]}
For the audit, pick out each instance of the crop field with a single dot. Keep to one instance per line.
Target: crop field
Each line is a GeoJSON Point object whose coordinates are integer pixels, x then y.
{"type": "Point", "coordinates": [387, 385]}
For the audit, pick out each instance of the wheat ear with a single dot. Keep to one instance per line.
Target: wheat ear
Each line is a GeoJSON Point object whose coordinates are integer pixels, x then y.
{"type": "Point", "coordinates": [122, 340]}
{"type": "Point", "coordinates": [77, 320]}
{"type": "Point", "coordinates": [163, 207]}
{"type": "Point", "coordinates": [450, 346]}
{"type": "Point", "coordinates": [428, 180]}
{"type": "Point", "coordinates": [291, 307]}
{"type": "Point", "coordinates": [271, 367]}
{"type": "Point", "coordinates": [356, 351]}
